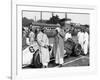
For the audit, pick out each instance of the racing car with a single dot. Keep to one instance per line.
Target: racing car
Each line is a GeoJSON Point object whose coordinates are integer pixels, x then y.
{"type": "Point", "coordinates": [31, 55]}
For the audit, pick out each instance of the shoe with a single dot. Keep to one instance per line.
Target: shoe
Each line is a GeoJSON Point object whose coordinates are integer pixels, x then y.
{"type": "Point", "coordinates": [60, 65]}
{"type": "Point", "coordinates": [84, 54]}
{"type": "Point", "coordinates": [44, 67]}
{"type": "Point", "coordinates": [57, 64]}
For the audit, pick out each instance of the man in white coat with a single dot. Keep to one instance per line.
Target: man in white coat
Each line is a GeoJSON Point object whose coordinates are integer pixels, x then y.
{"type": "Point", "coordinates": [80, 36]}
{"type": "Point", "coordinates": [85, 44]}
{"type": "Point", "coordinates": [43, 42]}
{"type": "Point", "coordinates": [59, 46]}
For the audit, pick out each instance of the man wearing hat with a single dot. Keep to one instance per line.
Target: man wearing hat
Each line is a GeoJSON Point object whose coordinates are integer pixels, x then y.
{"type": "Point", "coordinates": [43, 42]}
{"type": "Point", "coordinates": [59, 46]}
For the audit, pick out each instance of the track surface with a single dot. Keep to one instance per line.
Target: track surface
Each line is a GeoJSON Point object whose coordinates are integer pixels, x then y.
{"type": "Point", "coordinates": [69, 62]}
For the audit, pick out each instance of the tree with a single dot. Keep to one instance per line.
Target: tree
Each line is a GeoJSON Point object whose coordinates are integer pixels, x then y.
{"type": "Point", "coordinates": [53, 20]}
{"type": "Point", "coordinates": [86, 25]}
{"type": "Point", "coordinates": [26, 22]}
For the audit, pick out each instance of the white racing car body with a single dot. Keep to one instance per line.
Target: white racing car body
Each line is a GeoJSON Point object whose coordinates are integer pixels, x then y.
{"type": "Point", "coordinates": [28, 53]}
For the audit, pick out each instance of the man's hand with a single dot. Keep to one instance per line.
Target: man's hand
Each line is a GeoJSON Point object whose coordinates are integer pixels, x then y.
{"type": "Point", "coordinates": [46, 46]}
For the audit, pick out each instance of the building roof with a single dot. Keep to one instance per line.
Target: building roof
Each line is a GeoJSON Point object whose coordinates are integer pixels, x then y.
{"type": "Point", "coordinates": [44, 25]}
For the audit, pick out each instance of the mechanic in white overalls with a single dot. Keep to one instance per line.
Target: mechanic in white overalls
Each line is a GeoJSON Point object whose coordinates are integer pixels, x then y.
{"type": "Point", "coordinates": [80, 36]}
{"type": "Point", "coordinates": [86, 41]}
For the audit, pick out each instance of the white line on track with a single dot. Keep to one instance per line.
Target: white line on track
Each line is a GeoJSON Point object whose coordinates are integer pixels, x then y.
{"type": "Point", "coordinates": [74, 60]}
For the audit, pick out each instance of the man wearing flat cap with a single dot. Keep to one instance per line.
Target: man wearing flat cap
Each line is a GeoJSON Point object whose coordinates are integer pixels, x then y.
{"type": "Point", "coordinates": [59, 46]}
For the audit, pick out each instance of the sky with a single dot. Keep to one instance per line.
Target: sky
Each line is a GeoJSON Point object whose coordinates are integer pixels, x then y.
{"type": "Point", "coordinates": [76, 18]}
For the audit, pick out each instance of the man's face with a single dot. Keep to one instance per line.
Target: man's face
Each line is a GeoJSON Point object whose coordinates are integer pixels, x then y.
{"type": "Point", "coordinates": [67, 29]}
{"type": "Point", "coordinates": [38, 30]}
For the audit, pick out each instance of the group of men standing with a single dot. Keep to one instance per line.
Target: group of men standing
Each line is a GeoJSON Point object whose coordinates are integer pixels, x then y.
{"type": "Point", "coordinates": [83, 39]}
{"type": "Point", "coordinates": [42, 40]}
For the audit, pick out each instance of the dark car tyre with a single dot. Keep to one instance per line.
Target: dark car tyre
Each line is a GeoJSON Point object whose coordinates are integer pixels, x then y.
{"type": "Point", "coordinates": [77, 50]}
{"type": "Point", "coordinates": [36, 60]}
{"type": "Point", "coordinates": [68, 46]}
